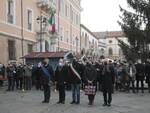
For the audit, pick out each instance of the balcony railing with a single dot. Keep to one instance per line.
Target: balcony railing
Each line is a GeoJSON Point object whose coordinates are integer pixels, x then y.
{"type": "Point", "coordinates": [48, 4]}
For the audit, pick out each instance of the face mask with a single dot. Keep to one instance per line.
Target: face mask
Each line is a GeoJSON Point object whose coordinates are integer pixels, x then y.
{"type": "Point", "coordinates": [60, 64]}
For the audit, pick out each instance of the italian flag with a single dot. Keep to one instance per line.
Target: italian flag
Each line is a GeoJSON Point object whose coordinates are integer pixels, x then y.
{"type": "Point", "coordinates": [52, 23]}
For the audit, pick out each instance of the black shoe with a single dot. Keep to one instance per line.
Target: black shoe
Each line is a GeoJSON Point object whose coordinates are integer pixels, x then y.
{"type": "Point", "coordinates": [45, 101]}
{"type": "Point", "coordinates": [63, 102]}
{"type": "Point", "coordinates": [108, 105]}
{"type": "Point", "coordinates": [105, 104]}
{"type": "Point", "coordinates": [58, 102]}
{"type": "Point", "coordinates": [77, 103]}
{"type": "Point", "coordinates": [90, 103]}
{"type": "Point", "coordinates": [73, 102]}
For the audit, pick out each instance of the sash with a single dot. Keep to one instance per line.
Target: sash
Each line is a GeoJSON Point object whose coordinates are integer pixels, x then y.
{"type": "Point", "coordinates": [76, 73]}
{"type": "Point", "coordinates": [46, 72]}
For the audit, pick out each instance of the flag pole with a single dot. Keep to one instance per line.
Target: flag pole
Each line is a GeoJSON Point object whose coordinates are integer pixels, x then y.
{"type": "Point", "coordinates": [58, 22]}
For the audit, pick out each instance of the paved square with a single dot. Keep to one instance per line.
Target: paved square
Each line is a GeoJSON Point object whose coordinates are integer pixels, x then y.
{"type": "Point", "coordinates": [30, 102]}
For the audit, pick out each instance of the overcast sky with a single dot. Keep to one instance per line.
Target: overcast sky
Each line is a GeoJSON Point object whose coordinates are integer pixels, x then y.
{"type": "Point", "coordinates": [101, 15]}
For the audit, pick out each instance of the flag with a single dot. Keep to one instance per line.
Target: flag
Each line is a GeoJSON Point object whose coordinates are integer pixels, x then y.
{"type": "Point", "coordinates": [52, 23]}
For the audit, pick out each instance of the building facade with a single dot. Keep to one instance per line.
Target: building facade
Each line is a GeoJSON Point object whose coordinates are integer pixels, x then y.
{"type": "Point", "coordinates": [89, 43]}
{"type": "Point", "coordinates": [24, 27]}
{"type": "Point", "coordinates": [17, 28]}
{"type": "Point", "coordinates": [112, 51]}
{"type": "Point", "coordinates": [68, 18]}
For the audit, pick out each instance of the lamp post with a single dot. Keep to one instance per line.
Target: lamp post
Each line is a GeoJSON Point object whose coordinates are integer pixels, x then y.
{"type": "Point", "coordinates": [22, 31]}
{"type": "Point", "coordinates": [41, 20]}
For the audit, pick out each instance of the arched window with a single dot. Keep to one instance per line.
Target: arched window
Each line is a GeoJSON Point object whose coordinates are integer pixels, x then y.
{"type": "Point", "coordinates": [120, 52]}
{"type": "Point", "coordinates": [110, 51]}
{"type": "Point", "coordinates": [102, 51]}
{"type": "Point", "coordinates": [46, 46]}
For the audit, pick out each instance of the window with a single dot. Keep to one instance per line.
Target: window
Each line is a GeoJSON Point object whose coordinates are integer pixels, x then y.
{"type": "Point", "coordinates": [92, 41]}
{"type": "Point", "coordinates": [61, 34]}
{"type": "Point", "coordinates": [62, 6]}
{"type": "Point", "coordinates": [46, 46]}
{"type": "Point", "coordinates": [67, 36]}
{"type": "Point", "coordinates": [71, 13]}
{"type": "Point", "coordinates": [30, 48]}
{"type": "Point", "coordinates": [10, 13]}
{"type": "Point", "coordinates": [66, 10]}
{"type": "Point", "coordinates": [82, 34]}
{"type": "Point", "coordinates": [102, 51]}
{"type": "Point", "coordinates": [110, 51]}
{"type": "Point", "coordinates": [86, 39]}
{"type": "Point", "coordinates": [11, 50]}
{"type": "Point", "coordinates": [120, 52]}
{"type": "Point", "coordinates": [110, 41]}
{"type": "Point", "coordinates": [29, 15]}
{"type": "Point", "coordinates": [77, 19]}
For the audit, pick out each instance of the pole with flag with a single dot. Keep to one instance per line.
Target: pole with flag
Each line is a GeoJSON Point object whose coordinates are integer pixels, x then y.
{"type": "Point", "coordinates": [52, 22]}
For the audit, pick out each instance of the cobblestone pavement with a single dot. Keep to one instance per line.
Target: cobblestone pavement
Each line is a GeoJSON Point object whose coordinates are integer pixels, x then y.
{"type": "Point", "coordinates": [30, 102]}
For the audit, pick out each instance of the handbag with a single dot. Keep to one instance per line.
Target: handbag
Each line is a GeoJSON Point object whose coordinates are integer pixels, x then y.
{"type": "Point", "coordinates": [90, 89]}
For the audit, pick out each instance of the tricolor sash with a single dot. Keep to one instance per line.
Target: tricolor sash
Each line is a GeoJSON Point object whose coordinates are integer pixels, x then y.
{"type": "Point", "coordinates": [46, 72]}
{"type": "Point", "coordinates": [75, 72]}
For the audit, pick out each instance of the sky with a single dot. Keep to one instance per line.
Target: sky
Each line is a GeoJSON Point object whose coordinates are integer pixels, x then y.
{"type": "Point", "coordinates": [101, 15]}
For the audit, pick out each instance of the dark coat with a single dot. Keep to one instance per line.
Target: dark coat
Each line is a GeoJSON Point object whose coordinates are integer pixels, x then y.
{"type": "Point", "coordinates": [90, 74]}
{"type": "Point", "coordinates": [73, 79]}
{"type": "Point", "coordinates": [98, 68]}
{"type": "Point", "coordinates": [140, 71]}
{"type": "Point", "coordinates": [147, 72]}
{"type": "Point", "coordinates": [108, 79]}
{"type": "Point", "coordinates": [20, 71]}
{"type": "Point", "coordinates": [45, 79]}
{"type": "Point", "coordinates": [61, 73]}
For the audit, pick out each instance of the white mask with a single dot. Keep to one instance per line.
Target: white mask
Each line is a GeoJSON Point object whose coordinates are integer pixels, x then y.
{"type": "Point", "coordinates": [60, 64]}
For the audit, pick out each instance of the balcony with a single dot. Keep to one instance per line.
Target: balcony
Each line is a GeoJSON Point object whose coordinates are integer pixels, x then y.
{"type": "Point", "coordinates": [46, 4]}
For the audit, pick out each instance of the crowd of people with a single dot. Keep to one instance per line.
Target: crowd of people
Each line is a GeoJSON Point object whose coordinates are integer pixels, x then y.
{"type": "Point", "coordinates": [79, 74]}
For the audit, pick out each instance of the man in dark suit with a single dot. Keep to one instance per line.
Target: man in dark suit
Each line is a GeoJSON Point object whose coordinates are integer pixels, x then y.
{"type": "Point", "coordinates": [47, 76]}
{"type": "Point", "coordinates": [147, 73]}
{"type": "Point", "coordinates": [108, 79]}
{"type": "Point", "coordinates": [60, 79]}
{"type": "Point", "coordinates": [140, 76]}
{"type": "Point", "coordinates": [75, 72]}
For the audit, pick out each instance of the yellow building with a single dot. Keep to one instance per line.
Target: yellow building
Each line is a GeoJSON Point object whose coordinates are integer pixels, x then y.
{"type": "Point", "coordinates": [17, 28]}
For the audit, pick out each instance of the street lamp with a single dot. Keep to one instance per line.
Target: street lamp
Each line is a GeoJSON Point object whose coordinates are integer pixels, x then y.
{"type": "Point", "coordinates": [41, 20]}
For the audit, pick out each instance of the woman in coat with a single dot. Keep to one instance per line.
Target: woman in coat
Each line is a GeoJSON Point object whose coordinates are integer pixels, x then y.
{"type": "Point", "coordinates": [107, 83]}
{"type": "Point", "coordinates": [90, 78]}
